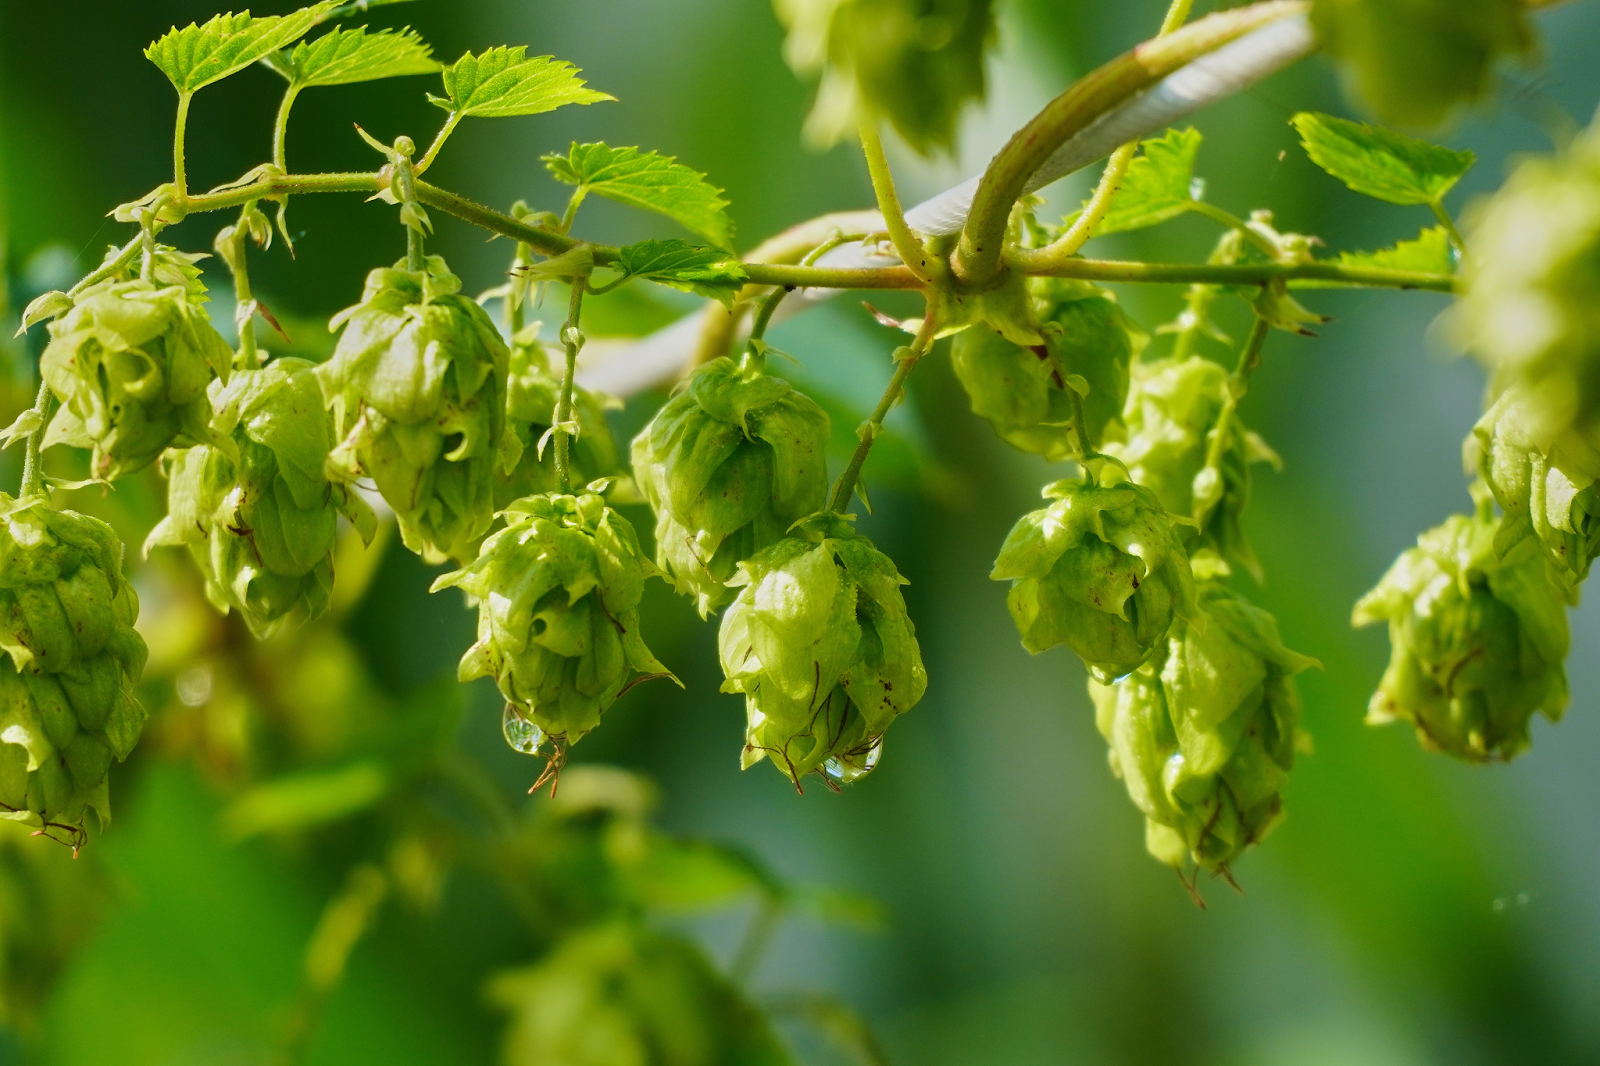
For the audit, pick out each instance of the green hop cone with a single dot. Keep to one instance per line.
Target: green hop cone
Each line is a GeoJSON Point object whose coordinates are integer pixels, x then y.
{"type": "Point", "coordinates": [1204, 734]}
{"type": "Point", "coordinates": [532, 394]}
{"type": "Point", "coordinates": [1101, 570]}
{"type": "Point", "coordinates": [1546, 485]}
{"type": "Point", "coordinates": [68, 708]}
{"type": "Point", "coordinates": [1173, 410]}
{"type": "Point", "coordinates": [1531, 309]}
{"type": "Point", "coordinates": [417, 386]}
{"type": "Point", "coordinates": [820, 644]}
{"type": "Point", "coordinates": [262, 527]}
{"type": "Point", "coordinates": [1477, 640]}
{"type": "Point", "coordinates": [728, 465]}
{"type": "Point", "coordinates": [1023, 391]}
{"type": "Point", "coordinates": [130, 363]}
{"type": "Point", "coordinates": [558, 592]}
{"type": "Point", "coordinates": [621, 994]}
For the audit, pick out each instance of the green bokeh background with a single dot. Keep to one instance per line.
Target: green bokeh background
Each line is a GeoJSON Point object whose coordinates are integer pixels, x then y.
{"type": "Point", "coordinates": [1410, 911]}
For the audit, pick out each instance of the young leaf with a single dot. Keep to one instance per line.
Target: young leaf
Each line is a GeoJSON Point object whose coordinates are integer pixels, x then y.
{"type": "Point", "coordinates": [1381, 163]}
{"type": "Point", "coordinates": [1157, 185]}
{"type": "Point", "coordinates": [502, 82]}
{"type": "Point", "coordinates": [706, 271]}
{"type": "Point", "coordinates": [196, 56]}
{"type": "Point", "coordinates": [1430, 253]}
{"type": "Point", "coordinates": [653, 182]}
{"type": "Point", "coordinates": [340, 57]}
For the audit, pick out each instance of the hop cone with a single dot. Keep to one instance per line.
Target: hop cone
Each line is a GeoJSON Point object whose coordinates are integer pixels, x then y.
{"type": "Point", "coordinates": [558, 615]}
{"type": "Point", "coordinates": [417, 387]}
{"type": "Point", "coordinates": [1022, 391]}
{"type": "Point", "coordinates": [261, 525]}
{"type": "Point", "coordinates": [1545, 484]}
{"type": "Point", "coordinates": [68, 708]}
{"type": "Point", "coordinates": [1173, 410]}
{"type": "Point", "coordinates": [130, 363]}
{"type": "Point", "coordinates": [1204, 734]}
{"type": "Point", "coordinates": [819, 642]}
{"type": "Point", "coordinates": [1477, 641]}
{"type": "Point", "coordinates": [1100, 570]}
{"type": "Point", "coordinates": [622, 994]}
{"type": "Point", "coordinates": [1531, 310]}
{"type": "Point", "coordinates": [728, 465]}
{"type": "Point", "coordinates": [532, 395]}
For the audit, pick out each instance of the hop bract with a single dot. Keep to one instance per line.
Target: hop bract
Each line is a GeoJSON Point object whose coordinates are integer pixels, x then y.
{"type": "Point", "coordinates": [820, 644]}
{"type": "Point", "coordinates": [1173, 410]}
{"type": "Point", "coordinates": [1478, 641]}
{"type": "Point", "coordinates": [532, 395]}
{"type": "Point", "coordinates": [1531, 309]}
{"type": "Point", "coordinates": [558, 593]}
{"type": "Point", "coordinates": [130, 363]}
{"type": "Point", "coordinates": [417, 387]}
{"type": "Point", "coordinates": [261, 524]}
{"type": "Point", "coordinates": [1101, 570]}
{"type": "Point", "coordinates": [728, 465]}
{"type": "Point", "coordinates": [67, 709]}
{"type": "Point", "coordinates": [1022, 391]}
{"type": "Point", "coordinates": [1546, 484]}
{"type": "Point", "coordinates": [1204, 734]}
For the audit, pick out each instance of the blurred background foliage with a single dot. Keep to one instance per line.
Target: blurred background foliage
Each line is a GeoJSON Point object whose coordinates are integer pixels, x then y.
{"type": "Point", "coordinates": [322, 853]}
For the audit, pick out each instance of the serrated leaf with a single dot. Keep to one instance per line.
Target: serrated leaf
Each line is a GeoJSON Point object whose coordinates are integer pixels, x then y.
{"type": "Point", "coordinates": [1157, 186]}
{"type": "Point", "coordinates": [1381, 163]}
{"type": "Point", "coordinates": [646, 179]}
{"type": "Point", "coordinates": [340, 57]}
{"type": "Point", "coordinates": [706, 271]}
{"type": "Point", "coordinates": [196, 56]}
{"type": "Point", "coordinates": [503, 82]}
{"type": "Point", "coordinates": [1430, 253]}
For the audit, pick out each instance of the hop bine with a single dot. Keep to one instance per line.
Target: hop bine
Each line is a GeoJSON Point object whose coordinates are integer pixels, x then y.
{"type": "Point", "coordinates": [819, 642]}
{"type": "Point", "coordinates": [532, 395]}
{"type": "Point", "coordinates": [68, 708]}
{"type": "Point", "coordinates": [1477, 640]}
{"type": "Point", "coordinates": [261, 522]}
{"type": "Point", "coordinates": [558, 592]}
{"type": "Point", "coordinates": [417, 386]}
{"type": "Point", "coordinates": [728, 465]}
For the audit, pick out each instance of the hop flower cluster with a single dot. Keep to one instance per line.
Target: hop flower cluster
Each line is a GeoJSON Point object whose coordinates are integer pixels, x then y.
{"type": "Point", "coordinates": [67, 709]}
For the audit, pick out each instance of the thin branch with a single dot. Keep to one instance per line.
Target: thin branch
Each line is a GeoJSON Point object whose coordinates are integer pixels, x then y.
{"type": "Point", "coordinates": [906, 243]}
{"type": "Point", "coordinates": [907, 361]}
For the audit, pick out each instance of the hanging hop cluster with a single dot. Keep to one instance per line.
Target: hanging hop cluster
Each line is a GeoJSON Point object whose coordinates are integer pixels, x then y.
{"type": "Point", "coordinates": [532, 395]}
{"type": "Point", "coordinates": [260, 517]}
{"type": "Point", "coordinates": [1088, 346]}
{"type": "Point", "coordinates": [1478, 640]}
{"type": "Point", "coordinates": [558, 590]}
{"type": "Point", "coordinates": [130, 362]}
{"type": "Point", "coordinates": [68, 708]}
{"type": "Point", "coordinates": [1100, 570]}
{"type": "Point", "coordinates": [417, 386]}
{"type": "Point", "coordinates": [728, 465]}
{"type": "Point", "coordinates": [1204, 734]}
{"type": "Point", "coordinates": [820, 644]}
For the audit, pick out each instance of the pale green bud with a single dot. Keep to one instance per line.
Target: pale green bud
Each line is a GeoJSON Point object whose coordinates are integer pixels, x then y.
{"type": "Point", "coordinates": [1023, 391]}
{"type": "Point", "coordinates": [67, 709]}
{"type": "Point", "coordinates": [1172, 413]}
{"type": "Point", "coordinates": [1204, 735]}
{"type": "Point", "coordinates": [820, 644]}
{"type": "Point", "coordinates": [532, 395]}
{"type": "Point", "coordinates": [417, 386]}
{"type": "Point", "coordinates": [558, 592]}
{"type": "Point", "coordinates": [728, 465]}
{"type": "Point", "coordinates": [262, 528]}
{"type": "Point", "coordinates": [1477, 640]}
{"type": "Point", "coordinates": [1101, 570]}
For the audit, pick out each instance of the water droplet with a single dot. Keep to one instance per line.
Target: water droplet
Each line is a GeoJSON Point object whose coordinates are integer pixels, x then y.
{"type": "Point", "coordinates": [844, 769]}
{"type": "Point", "coordinates": [520, 733]}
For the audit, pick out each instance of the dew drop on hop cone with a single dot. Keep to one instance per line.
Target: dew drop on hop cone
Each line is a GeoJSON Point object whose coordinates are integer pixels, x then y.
{"type": "Point", "coordinates": [521, 734]}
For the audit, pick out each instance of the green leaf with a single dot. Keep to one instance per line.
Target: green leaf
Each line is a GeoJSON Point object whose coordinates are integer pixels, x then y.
{"type": "Point", "coordinates": [706, 271]}
{"type": "Point", "coordinates": [502, 82]}
{"type": "Point", "coordinates": [340, 57]}
{"type": "Point", "coordinates": [1381, 163]}
{"type": "Point", "coordinates": [1158, 185]}
{"type": "Point", "coordinates": [196, 56]}
{"type": "Point", "coordinates": [1430, 253]}
{"type": "Point", "coordinates": [648, 180]}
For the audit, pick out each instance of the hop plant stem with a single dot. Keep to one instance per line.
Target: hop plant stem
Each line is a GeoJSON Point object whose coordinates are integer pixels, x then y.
{"type": "Point", "coordinates": [32, 464]}
{"type": "Point", "coordinates": [572, 340]}
{"type": "Point", "coordinates": [869, 429]}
